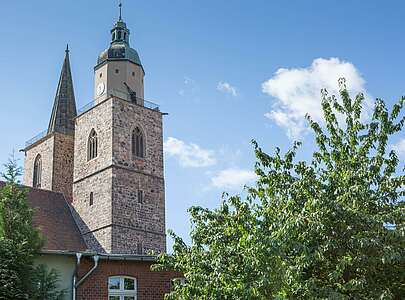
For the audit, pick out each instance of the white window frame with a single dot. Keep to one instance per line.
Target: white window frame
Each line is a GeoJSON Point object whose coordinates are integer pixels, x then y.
{"type": "Point", "coordinates": [122, 292]}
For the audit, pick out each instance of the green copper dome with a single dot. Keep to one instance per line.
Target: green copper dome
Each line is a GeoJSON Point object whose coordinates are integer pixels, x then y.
{"type": "Point", "coordinates": [119, 48]}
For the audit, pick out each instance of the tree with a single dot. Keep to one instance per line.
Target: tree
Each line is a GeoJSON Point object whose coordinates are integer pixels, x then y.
{"type": "Point", "coordinates": [45, 284]}
{"type": "Point", "coordinates": [307, 230]}
{"type": "Point", "coordinates": [19, 240]}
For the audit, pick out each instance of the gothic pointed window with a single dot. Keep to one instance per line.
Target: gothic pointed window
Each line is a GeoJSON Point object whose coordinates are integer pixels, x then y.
{"type": "Point", "coordinates": [37, 172]}
{"type": "Point", "coordinates": [138, 142]}
{"type": "Point", "coordinates": [92, 145]}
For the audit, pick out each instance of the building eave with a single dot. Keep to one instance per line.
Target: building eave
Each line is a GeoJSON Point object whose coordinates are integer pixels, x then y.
{"type": "Point", "coordinates": [103, 256]}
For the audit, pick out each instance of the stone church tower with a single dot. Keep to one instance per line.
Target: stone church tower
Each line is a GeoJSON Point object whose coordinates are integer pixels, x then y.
{"type": "Point", "coordinates": [108, 158]}
{"type": "Point", "coordinates": [49, 157]}
{"type": "Point", "coordinates": [118, 185]}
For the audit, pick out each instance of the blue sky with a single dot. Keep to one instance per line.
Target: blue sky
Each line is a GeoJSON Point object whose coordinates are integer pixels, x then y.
{"type": "Point", "coordinates": [225, 71]}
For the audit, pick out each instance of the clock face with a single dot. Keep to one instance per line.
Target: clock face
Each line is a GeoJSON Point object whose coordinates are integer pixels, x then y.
{"type": "Point", "coordinates": [100, 88]}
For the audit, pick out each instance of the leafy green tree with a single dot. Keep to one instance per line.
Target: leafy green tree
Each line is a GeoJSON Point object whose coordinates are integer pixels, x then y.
{"type": "Point", "coordinates": [307, 230]}
{"type": "Point", "coordinates": [12, 284]}
{"type": "Point", "coordinates": [19, 240]}
{"type": "Point", "coordinates": [45, 284]}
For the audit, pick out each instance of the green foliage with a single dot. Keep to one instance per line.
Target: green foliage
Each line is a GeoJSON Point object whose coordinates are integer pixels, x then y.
{"type": "Point", "coordinates": [312, 230]}
{"type": "Point", "coordinates": [45, 284]}
{"type": "Point", "coordinates": [12, 285]}
{"type": "Point", "coordinates": [19, 240]}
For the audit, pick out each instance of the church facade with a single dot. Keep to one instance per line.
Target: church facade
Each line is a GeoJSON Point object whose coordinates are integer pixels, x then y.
{"type": "Point", "coordinates": [103, 166]}
{"type": "Point", "coordinates": [108, 159]}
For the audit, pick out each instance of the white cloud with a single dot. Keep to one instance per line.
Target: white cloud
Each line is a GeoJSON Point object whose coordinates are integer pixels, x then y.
{"type": "Point", "coordinates": [232, 178]}
{"type": "Point", "coordinates": [399, 148]}
{"type": "Point", "coordinates": [189, 155]}
{"type": "Point", "coordinates": [298, 91]}
{"type": "Point", "coordinates": [227, 88]}
{"type": "Point", "coordinates": [190, 88]}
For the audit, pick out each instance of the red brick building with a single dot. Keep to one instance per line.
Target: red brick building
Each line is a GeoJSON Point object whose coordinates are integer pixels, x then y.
{"type": "Point", "coordinates": [97, 183]}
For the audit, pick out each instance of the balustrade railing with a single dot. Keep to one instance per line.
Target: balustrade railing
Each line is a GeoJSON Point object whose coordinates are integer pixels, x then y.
{"type": "Point", "coordinates": [36, 138]}
{"type": "Point", "coordinates": [90, 105]}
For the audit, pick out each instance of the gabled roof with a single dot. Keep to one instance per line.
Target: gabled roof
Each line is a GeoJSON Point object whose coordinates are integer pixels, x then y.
{"type": "Point", "coordinates": [53, 217]}
{"type": "Point", "coordinates": [64, 107]}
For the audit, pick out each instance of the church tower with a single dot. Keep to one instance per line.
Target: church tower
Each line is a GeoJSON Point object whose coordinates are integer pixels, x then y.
{"type": "Point", "coordinates": [118, 186]}
{"type": "Point", "coordinates": [49, 157]}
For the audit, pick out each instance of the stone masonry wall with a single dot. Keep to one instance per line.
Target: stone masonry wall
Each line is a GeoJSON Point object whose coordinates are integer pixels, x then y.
{"type": "Point", "coordinates": [100, 119]}
{"type": "Point", "coordinates": [63, 165]}
{"type": "Point", "coordinates": [116, 221]}
{"type": "Point", "coordinates": [126, 118]}
{"type": "Point", "coordinates": [94, 176]}
{"type": "Point", "coordinates": [94, 219]}
{"type": "Point", "coordinates": [134, 222]}
{"type": "Point", "coordinates": [45, 148]}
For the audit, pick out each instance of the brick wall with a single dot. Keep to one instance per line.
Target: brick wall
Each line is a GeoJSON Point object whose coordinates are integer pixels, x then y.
{"type": "Point", "coordinates": [150, 285]}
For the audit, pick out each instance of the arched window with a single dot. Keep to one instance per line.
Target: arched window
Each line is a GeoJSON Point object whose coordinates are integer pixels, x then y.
{"type": "Point", "coordinates": [92, 145]}
{"type": "Point", "coordinates": [122, 288]}
{"type": "Point", "coordinates": [36, 182]}
{"type": "Point", "coordinates": [138, 149]}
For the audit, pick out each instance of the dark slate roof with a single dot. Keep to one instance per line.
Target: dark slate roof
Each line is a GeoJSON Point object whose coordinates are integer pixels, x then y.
{"type": "Point", "coordinates": [119, 48]}
{"type": "Point", "coordinates": [64, 107]}
{"type": "Point", "coordinates": [119, 51]}
{"type": "Point", "coordinates": [53, 217]}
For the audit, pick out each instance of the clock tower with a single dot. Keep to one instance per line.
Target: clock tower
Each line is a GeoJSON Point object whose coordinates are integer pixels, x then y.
{"type": "Point", "coordinates": [119, 70]}
{"type": "Point", "coordinates": [118, 184]}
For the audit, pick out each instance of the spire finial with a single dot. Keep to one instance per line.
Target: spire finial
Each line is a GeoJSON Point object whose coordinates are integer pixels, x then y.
{"type": "Point", "coordinates": [120, 6]}
{"type": "Point", "coordinates": [67, 48]}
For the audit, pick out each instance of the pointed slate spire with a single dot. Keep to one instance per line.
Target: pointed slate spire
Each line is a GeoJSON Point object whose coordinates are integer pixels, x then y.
{"type": "Point", "coordinates": [64, 107]}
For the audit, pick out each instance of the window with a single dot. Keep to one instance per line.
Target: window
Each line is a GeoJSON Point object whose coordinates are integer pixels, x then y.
{"type": "Point", "coordinates": [117, 71]}
{"type": "Point", "coordinates": [92, 145]}
{"type": "Point", "coordinates": [139, 247]}
{"type": "Point", "coordinates": [121, 288]}
{"type": "Point", "coordinates": [36, 182]}
{"type": "Point", "coordinates": [138, 143]}
{"type": "Point", "coordinates": [101, 75]}
{"type": "Point", "coordinates": [119, 35]}
{"type": "Point", "coordinates": [133, 74]}
{"type": "Point", "coordinates": [140, 196]}
{"type": "Point", "coordinates": [91, 199]}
